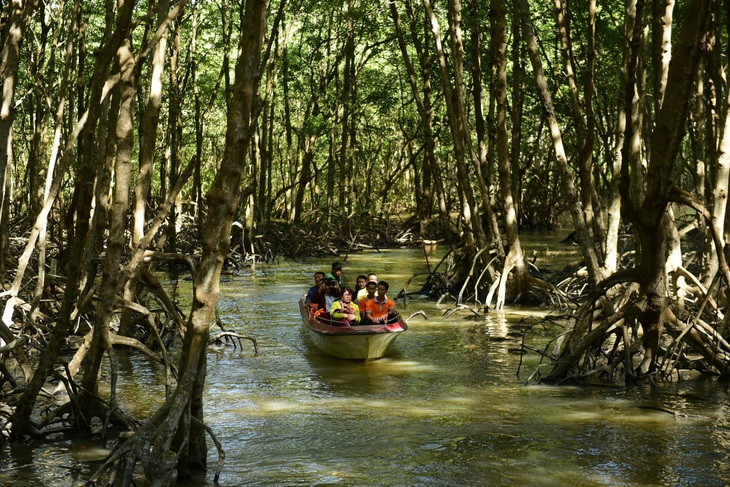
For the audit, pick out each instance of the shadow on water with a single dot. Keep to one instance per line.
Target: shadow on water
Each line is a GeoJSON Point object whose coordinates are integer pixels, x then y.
{"type": "Point", "coordinates": [447, 407]}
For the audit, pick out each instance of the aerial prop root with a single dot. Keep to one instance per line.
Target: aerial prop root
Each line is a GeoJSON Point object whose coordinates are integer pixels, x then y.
{"type": "Point", "coordinates": [231, 336]}
{"type": "Point", "coordinates": [571, 354]}
{"type": "Point", "coordinates": [134, 447]}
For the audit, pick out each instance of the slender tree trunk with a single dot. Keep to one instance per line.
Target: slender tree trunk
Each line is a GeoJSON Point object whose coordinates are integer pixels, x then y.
{"type": "Point", "coordinates": [638, 142]}
{"type": "Point", "coordinates": [39, 119]}
{"type": "Point", "coordinates": [422, 96]}
{"type": "Point", "coordinates": [306, 144]}
{"type": "Point", "coordinates": [175, 133]}
{"type": "Point", "coordinates": [579, 123]}
{"type": "Point", "coordinates": [348, 81]}
{"type": "Point", "coordinates": [271, 59]}
{"type": "Point", "coordinates": [661, 44]}
{"type": "Point", "coordinates": [110, 281]}
{"type": "Point", "coordinates": [9, 59]}
{"type": "Point", "coordinates": [614, 206]}
{"type": "Point", "coordinates": [515, 259]}
{"type": "Point", "coordinates": [712, 144]}
{"type": "Point", "coordinates": [148, 145]}
{"type": "Point", "coordinates": [481, 162]}
{"type": "Point", "coordinates": [105, 153]}
{"type": "Point", "coordinates": [517, 108]}
{"type": "Point", "coordinates": [20, 12]}
{"type": "Point", "coordinates": [151, 122]}
{"type": "Point", "coordinates": [116, 29]}
{"type": "Point", "coordinates": [569, 190]}
{"type": "Point", "coordinates": [721, 189]}
{"type": "Point", "coordinates": [457, 120]}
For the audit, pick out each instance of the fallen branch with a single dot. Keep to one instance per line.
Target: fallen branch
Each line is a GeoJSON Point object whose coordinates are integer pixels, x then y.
{"type": "Point", "coordinates": [229, 334]}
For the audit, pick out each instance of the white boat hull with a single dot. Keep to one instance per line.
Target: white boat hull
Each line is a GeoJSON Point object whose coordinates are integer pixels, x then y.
{"type": "Point", "coordinates": [355, 343]}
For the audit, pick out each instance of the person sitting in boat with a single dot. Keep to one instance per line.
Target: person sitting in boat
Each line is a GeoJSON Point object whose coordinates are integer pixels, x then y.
{"type": "Point", "coordinates": [318, 287]}
{"type": "Point", "coordinates": [344, 311]}
{"type": "Point", "coordinates": [360, 284]}
{"type": "Point", "coordinates": [381, 309]}
{"type": "Point", "coordinates": [370, 289]}
{"type": "Point", "coordinates": [336, 274]}
{"type": "Point", "coordinates": [362, 292]}
{"type": "Point", "coordinates": [325, 298]}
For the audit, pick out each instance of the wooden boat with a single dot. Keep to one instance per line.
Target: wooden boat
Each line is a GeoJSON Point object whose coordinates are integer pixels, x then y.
{"type": "Point", "coordinates": [358, 342]}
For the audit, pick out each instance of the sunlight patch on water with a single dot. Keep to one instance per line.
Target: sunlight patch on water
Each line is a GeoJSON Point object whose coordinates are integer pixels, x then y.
{"type": "Point", "coordinates": [406, 366]}
{"type": "Point", "coordinates": [426, 408]}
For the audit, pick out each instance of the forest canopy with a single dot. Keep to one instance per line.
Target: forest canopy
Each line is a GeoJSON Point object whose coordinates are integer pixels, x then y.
{"type": "Point", "coordinates": [137, 136]}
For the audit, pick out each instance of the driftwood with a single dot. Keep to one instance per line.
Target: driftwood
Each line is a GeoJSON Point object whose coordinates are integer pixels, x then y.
{"type": "Point", "coordinates": [233, 337]}
{"type": "Point", "coordinates": [230, 336]}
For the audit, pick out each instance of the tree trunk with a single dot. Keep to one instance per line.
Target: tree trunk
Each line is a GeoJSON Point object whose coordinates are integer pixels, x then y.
{"type": "Point", "coordinates": [718, 126]}
{"type": "Point", "coordinates": [481, 162]}
{"type": "Point", "coordinates": [348, 81]}
{"type": "Point", "coordinates": [722, 187]}
{"type": "Point", "coordinates": [515, 259]}
{"type": "Point", "coordinates": [473, 234]}
{"type": "Point", "coordinates": [610, 264]}
{"type": "Point", "coordinates": [179, 422]}
{"type": "Point", "coordinates": [20, 12]}
{"type": "Point", "coordinates": [21, 418]}
{"type": "Point", "coordinates": [661, 44]}
{"type": "Point", "coordinates": [422, 96]}
{"type": "Point", "coordinates": [148, 145]}
{"type": "Point", "coordinates": [569, 190]}
{"type": "Point", "coordinates": [110, 281]}
{"type": "Point", "coordinates": [174, 126]}
{"type": "Point", "coordinates": [651, 220]}
{"type": "Point", "coordinates": [150, 125]}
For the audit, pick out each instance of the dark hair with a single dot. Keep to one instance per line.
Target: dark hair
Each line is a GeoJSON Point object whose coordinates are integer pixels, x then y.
{"type": "Point", "coordinates": [336, 265]}
{"type": "Point", "coordinates": [362, 276]}
{"type": "Point", "coordinates": [384, 284]}
{"type": "Point", "coordinates": [330, 282]}
{"type": "Point", "coordinates": [371, 282]}
{"type": "Point", "coordinates": [347, 290]}
{"type": "Point", "coordinates": [320, 273]}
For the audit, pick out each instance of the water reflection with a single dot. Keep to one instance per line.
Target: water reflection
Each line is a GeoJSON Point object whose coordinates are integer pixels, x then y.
{"type": "Point", "coordinates": [446, 408]}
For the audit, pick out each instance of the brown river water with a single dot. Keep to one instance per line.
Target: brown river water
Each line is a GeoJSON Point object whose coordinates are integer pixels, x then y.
{"type": "Point", "coordinates": [452, 405]}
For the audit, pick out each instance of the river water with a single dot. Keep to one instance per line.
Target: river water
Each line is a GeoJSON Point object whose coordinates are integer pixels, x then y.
{"type": "Point", "coordinates": [452, 405]}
